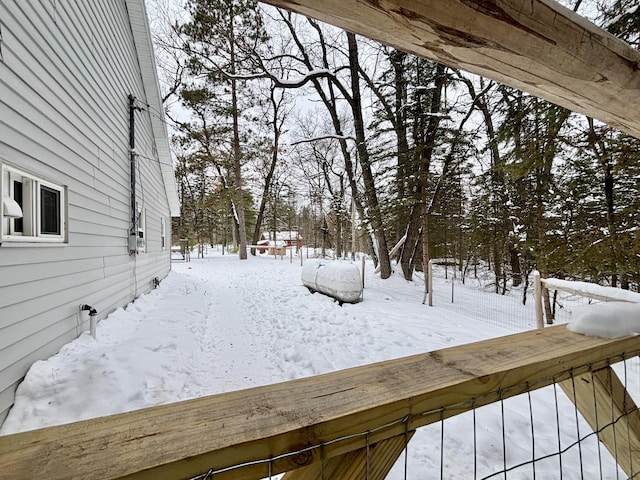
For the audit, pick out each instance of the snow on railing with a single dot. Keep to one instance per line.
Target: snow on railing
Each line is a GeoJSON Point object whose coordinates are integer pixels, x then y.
{"type": "Point", "coordinates": [590, 291]}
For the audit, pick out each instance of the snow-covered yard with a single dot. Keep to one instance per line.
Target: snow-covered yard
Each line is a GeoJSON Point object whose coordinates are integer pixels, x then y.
{"type": "Point", "coordinates": [219, 324]}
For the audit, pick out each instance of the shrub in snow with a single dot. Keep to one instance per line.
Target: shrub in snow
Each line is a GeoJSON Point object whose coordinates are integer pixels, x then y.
{"type": "Point", "coordinates": [339, 280]}
{"type": "Point", "coordinates": [607, 320]}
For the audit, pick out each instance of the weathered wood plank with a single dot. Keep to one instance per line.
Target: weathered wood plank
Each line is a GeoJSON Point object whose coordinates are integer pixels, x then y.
{"type": "Point", "coordinates": [603, 401]}
{"type": "Point", "coordinates": [373, 463]}
{"type": "Point", "coordinates": [537, 46]}
{"type": "Point", "coordinates": [188, 438]}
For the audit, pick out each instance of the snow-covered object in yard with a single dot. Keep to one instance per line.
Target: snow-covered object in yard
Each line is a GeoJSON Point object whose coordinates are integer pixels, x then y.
{"type": "Point", "coordinates": [607, 320]}
{"type": "Point", "coordinates": [340, 280]}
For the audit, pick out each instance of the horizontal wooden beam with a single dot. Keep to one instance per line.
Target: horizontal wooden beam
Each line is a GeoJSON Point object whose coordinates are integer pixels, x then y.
{"type": "Point", "coordinates": [537, 46]}
{"type": "Point", "coordinates": [185, 439]}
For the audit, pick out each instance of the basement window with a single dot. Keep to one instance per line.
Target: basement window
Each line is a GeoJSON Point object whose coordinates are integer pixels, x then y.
{"type": "Point", "coordinates": [42, 204]}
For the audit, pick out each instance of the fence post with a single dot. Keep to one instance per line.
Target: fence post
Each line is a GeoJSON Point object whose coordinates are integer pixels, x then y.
{"type": "Point", "coordinates": [453, 281]}
{"type": "Point", "coordinates": [290, 254]}
{"type": "Point", "coordinates": [537, 290]}
{"type": "Point", "coordinates": [430, 281]}
{"type": "Point", "coordinates": [363, 272]}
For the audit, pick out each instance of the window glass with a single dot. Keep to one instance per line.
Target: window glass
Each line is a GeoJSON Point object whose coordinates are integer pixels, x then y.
{"type": "Point", "coordinates": [17, 196]}
{"type": "Point", "coordinates": [49, 211]}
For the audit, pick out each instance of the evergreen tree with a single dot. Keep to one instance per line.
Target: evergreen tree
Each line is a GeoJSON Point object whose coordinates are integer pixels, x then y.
{"type": "Point", "coordinates": [221, 40]}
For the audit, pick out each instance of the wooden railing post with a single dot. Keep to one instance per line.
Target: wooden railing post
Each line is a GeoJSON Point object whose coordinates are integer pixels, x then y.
{"type": "Point", "coordinates": [604, 403]}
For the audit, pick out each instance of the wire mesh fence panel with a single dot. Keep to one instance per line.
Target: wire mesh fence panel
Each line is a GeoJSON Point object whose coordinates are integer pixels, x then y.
{"type": "Point", "coordinates": [546, 433]}
{"type": "Point", "coordinates": [563, 304]}
{"type": "Point", "coordinates": [477, 297]}
{"type": "Point", "coordinates": [515, 440]}
{"type": "Point", "coordinates": [513, 307]}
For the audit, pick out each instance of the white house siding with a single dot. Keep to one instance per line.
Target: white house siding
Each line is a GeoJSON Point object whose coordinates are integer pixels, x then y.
{"type": "Point", "coordinates": [66, 71]}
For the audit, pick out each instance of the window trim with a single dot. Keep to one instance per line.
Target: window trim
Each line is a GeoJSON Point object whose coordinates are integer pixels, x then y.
{"type": "Point", "coordinates": [32, 226]}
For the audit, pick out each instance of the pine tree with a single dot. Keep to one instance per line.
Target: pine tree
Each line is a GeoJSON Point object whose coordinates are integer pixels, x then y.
{"type": "Point", "coordinates": [221, 39]}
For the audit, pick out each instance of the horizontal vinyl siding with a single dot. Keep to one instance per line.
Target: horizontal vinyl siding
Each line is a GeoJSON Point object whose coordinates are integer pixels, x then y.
{"type": "Point", "coordinates": [6, 398]}
{"type": "Point", "coordinates": [22, 276]}
{"type": "Point", "coordinates": [65, 75]}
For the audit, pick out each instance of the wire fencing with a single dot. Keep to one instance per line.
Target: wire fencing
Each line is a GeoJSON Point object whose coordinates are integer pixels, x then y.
{"type": "Point", "coordinates": [539, 434]}
{"type": "Point", "coordinates": [474, 295]}
{"type": "Point", "coordinates": [513, 307]}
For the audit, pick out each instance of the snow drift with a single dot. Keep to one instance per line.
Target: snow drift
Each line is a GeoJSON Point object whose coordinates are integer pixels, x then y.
{"type": "Point", "coordinates": [607, 320]}
{"type": "Point", "coordinates": [339, 280]}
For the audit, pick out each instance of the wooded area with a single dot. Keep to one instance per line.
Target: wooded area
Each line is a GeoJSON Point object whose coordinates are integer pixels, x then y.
{"type": "Point", "coordinates": [285, 123]}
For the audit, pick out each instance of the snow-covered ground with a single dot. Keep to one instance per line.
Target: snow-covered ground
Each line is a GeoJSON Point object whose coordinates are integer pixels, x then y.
{"type": "Point", "coordinates": [219, 324]}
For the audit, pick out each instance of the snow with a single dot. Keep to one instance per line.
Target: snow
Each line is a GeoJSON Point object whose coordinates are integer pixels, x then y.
{"type": "Point", "coordinates": [219, 324]}
{"type": "Point", "coordinates": [629, 12]}
{"type": "Point", "coordinates": [608, 320]}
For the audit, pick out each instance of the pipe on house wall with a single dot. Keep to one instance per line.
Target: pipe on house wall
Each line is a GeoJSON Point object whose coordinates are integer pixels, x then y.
{"type": "Point", "coordinates": [93, 320]}
{"type": "Point", "coordinates": [133, 232]}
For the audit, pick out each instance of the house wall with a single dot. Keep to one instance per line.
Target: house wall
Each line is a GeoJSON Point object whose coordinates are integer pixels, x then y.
{"type": "Point", "coordinates": [66, 71]}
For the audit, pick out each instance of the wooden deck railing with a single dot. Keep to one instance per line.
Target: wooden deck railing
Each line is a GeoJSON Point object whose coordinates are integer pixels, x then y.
{"type": "Point", "coordinates": [369, 411]}
{"type": "Point", "coordinates": [578, 289]}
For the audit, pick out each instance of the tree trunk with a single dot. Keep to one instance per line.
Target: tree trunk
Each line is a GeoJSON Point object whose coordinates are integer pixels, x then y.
{"type": "Point", "coordinates": [516, 271]}
{"type": "Point", "coordinates": [407, 253]}
{"type": "Point", "coordinates": [423, 204]}
{"type": "Point", "coordinates": [269, 177]}
{"type": "Point", "coordinates": [329, 101]}
{"type": "Point", "coordinates": [608, 187]}
{"type": "Point", "coordinates": [397, 59]}
{"type": "Point", "coordinates": [340, 220]}
{"type": "Point", "coordinates": [425, 244]}
{"type": "Point", "coordinates": [237, 155]}
{"type": "Point", "coordinates": [370, 193]}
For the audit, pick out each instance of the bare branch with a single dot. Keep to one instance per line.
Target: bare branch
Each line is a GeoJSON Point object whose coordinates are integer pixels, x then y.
{"type": "Point", "coordinates": [325, 137]}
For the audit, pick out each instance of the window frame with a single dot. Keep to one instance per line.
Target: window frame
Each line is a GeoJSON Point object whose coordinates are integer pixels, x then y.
{"type": "Point", "coordinates": [32, 208]}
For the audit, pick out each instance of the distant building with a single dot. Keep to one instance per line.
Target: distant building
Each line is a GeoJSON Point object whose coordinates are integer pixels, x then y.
{"type": "Point", "coordinates": [78, 88]}
{"type": "Point", "coordinates": [282, 239]}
